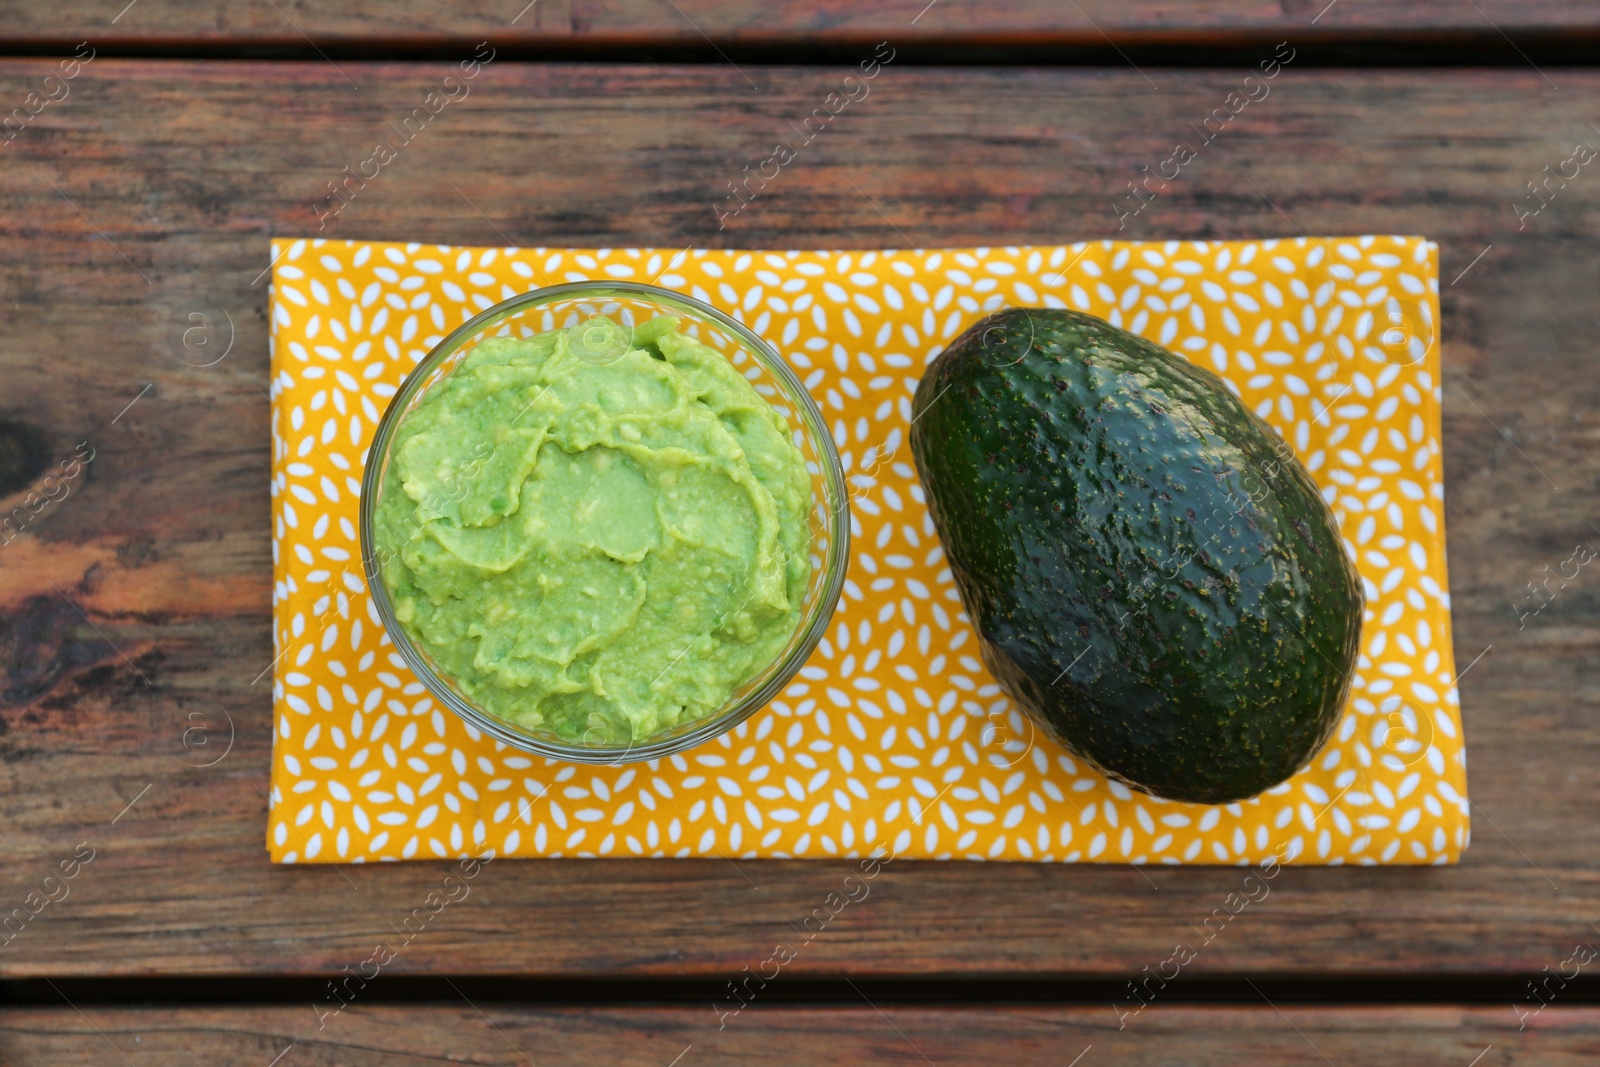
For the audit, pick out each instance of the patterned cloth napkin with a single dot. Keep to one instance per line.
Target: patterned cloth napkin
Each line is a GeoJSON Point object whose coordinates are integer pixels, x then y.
{"type": "Point", "coordinates": [893, 737]}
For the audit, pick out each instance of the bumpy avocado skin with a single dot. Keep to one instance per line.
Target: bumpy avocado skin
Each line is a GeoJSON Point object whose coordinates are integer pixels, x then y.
{"type": "Point", "coordinates": [1151, 572]}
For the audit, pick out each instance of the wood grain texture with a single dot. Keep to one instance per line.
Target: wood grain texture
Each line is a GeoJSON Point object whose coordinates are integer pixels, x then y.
{"type": "Point", "coordinates": [790, 22]}
{"type": "Point", "coordinates": [1301, 1036]}
{"type": "Point", "coordinates": [135, 610]}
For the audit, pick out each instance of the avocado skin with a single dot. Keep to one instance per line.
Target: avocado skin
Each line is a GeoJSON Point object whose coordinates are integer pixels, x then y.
{"type": "Point", "coordinates": [1152, 574]}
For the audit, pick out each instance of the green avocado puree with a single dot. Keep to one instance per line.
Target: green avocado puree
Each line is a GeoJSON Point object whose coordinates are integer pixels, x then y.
{"type": "Point", "coordinates": [598, 532]}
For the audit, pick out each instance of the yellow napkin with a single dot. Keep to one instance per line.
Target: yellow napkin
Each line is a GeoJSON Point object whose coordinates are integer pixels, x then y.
{"type": "Point", "coordinates": [893, 736]}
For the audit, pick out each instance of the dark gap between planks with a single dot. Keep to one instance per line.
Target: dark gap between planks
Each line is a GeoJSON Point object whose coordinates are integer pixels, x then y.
{"type": "Point", "coordinates": [1518, 48]}
{"type": "Point", "coordinates": [411, 989]}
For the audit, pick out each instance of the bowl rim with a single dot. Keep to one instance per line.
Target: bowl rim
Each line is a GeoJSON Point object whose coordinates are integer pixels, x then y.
{"type": "Point", "coordinates": [835, 563]}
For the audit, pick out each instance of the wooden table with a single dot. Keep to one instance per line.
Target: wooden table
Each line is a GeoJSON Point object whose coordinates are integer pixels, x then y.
{"type": "Point", "coordinates": [136, 607]}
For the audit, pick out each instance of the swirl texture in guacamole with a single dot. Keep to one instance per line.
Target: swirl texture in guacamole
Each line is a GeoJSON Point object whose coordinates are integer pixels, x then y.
{"type": "Point", "coordinates": [597, 533]}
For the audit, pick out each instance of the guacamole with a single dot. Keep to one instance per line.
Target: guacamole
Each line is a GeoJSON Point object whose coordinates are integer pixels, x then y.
{"type": "Point", "coordinates": [599, 532]}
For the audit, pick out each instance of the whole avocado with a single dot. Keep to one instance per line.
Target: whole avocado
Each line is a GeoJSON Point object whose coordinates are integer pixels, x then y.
{"type": "Point", "coordinates": [1152, 574]}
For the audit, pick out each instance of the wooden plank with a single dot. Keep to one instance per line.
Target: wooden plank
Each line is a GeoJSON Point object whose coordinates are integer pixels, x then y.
{"type": "Point", "coordinates": [645, 23]}
{"type": "Point", "coordinates": [1179, 1036]}
{"type": "Point", "coordinates": [152, 190]}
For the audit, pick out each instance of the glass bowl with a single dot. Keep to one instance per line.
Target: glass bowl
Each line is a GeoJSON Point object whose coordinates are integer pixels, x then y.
{"type": "Point", "coordinates": [630, 303]}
